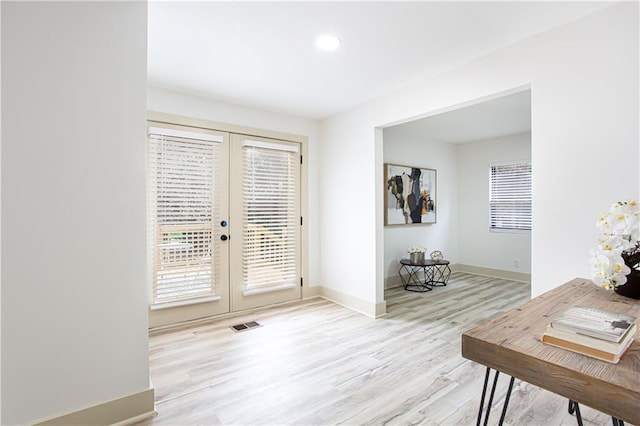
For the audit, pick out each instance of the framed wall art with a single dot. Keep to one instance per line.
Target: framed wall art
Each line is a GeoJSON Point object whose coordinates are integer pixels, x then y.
{"type": "Point", "coordinates": [410, 195]}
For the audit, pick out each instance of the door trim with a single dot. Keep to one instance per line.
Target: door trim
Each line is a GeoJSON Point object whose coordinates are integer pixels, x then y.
{"type": "Point", "coordinates": [166, 118]}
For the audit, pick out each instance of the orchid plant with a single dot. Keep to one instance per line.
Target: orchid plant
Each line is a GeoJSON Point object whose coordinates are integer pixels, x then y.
{"type": "Point", "coordinates": [617, 231]}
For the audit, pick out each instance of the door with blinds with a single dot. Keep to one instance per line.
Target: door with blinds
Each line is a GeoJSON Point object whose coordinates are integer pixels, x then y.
{"type": "Point", "coordinates": [188, 213]}
{"type": "Point", "coordinates": [266, 228]}
{"type": "Point", "coordinates": [224, 222]}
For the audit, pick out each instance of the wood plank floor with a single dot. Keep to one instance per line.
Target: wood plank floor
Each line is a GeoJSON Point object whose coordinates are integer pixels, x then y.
{"type": "Point", "coordinates": [316, 363]}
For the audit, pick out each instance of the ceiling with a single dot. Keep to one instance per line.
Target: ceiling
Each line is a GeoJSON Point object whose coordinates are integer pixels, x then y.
{"type": "Point", "coordinates": [262, 54]}
{"type": "Point", "coordinates": [503, 116]}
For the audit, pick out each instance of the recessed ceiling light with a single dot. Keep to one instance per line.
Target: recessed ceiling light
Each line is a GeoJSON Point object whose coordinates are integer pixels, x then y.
{"type": "Point", "coordinates": [327, 42]}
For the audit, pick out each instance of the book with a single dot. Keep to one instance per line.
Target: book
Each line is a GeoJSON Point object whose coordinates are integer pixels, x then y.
{"type": "Point", "coordinates": [583, 339]}
{"type": "Point", "coordinates": [590, 346]}
{"type": "Point", "coordinates": [610, 326]}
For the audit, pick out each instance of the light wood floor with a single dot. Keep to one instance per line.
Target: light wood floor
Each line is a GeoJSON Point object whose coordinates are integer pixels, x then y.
{"type": "Point", "coordinates": [316, 363]}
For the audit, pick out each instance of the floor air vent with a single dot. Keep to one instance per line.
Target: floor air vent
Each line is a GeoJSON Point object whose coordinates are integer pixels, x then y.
{"type": "Point", "coordinates": [245, 326]}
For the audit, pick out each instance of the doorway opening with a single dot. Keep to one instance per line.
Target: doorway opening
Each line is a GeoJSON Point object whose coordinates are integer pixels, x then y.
{"type": "Point", "coordinates": [461, 145]}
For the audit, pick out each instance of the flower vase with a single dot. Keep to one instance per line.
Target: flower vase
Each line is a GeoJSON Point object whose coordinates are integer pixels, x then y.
{"type": "Point", "coordinates": [632, 287]}
{"type": "Point", "coordinates": [417, 257]}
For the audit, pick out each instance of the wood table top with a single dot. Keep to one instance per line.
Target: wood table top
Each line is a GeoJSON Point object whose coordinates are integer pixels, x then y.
{"type": "Point", "coordinates": [512, 344]}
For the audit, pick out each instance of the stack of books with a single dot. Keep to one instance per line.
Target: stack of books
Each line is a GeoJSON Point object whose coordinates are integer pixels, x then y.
{"type": "Point", "coordinates": [592, 332]}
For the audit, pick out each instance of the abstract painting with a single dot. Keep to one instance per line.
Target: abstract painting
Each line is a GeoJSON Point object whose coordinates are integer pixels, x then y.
{"type": "Point", "coordinates": [410, 195]}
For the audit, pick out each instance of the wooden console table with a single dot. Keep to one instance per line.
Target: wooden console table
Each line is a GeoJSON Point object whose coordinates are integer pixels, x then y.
{"type": "Point", "coordinates": [511, 344]}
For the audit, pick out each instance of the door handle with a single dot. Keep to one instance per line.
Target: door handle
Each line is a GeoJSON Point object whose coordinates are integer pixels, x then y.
{"type": "Point", "coordinates": [224, 237]}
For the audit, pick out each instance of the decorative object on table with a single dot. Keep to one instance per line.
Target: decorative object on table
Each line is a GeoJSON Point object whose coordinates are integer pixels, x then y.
{"type": "Point", "coordinates": [416, 254]}
{"type": "Point", "coordinates": [410, 195]}
{"type": "Point", "coordinates": [592, 332]}
{"type": "Point", "coordinates": [615, 263]}
{"type": "Point", "coordinates": [436, 255]}
{"type": "Point", "coordinates": [632, 287]}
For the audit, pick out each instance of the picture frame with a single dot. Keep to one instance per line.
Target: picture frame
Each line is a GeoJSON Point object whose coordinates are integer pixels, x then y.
{"type": "Point", "coordinates": [409, 195]}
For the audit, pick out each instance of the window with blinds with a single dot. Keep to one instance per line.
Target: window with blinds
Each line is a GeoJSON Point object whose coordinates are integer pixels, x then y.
{"type": "Point", "coordinates": [510, 197]}
{"type": "Point", "coordinates": [182, 191]}
{"type": "Point", "coordinates": [271, 216]}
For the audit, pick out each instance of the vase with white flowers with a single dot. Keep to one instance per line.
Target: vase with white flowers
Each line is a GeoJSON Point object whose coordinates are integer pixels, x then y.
{"type": "Point", "coordinates": [615, 261]}
{"type": "Point", "coordinates": [416, 254]}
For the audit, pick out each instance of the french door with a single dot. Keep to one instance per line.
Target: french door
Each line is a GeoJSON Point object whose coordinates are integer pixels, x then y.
{"type": "Point", "coordinates": [224, 222]}
{"type": "Point", "coordinates": [265, 197]}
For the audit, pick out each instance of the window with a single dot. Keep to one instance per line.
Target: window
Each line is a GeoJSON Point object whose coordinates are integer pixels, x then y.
{"type": "Point", "coordinates": [510, 197]}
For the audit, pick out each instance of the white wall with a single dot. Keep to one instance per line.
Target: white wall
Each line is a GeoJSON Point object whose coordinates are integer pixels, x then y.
{"type": "Point", "coordinates": [74, 317]}
{"type": "Point", "coordinates": [348, 209]}
{"type": "Point", "coordinates": [208, 109]}
{"type": "Point", "coordinates": [584, 88]}
{"type": "Point", "coordinates": [405, 149]}
{"type": "Point", "coordinates": [0, 216]}
{"type": "Point", "coordinates": [478, 246]}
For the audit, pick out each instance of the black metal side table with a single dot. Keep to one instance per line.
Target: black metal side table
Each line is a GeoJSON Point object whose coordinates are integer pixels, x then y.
{"type": "Point", "coordinates": [435, 273]}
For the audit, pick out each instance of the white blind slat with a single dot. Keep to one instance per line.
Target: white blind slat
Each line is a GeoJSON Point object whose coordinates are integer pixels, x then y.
{"type": "Point", "coordinates": [270, 145]}
{"type": "Point", "coordinates": [161, 132]}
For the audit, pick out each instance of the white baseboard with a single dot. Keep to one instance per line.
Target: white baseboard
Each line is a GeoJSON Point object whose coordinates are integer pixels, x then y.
{"type": "Point", "coordinates": [373, 310]}
{"type": "Point", "coordinates": [121, 411]}
{"type": "Point", "coordinates": [392, 282]}
{"type": "Point", "coordinates": [490, 272]}
{"type": "Point", "coordinates": [309, 292]}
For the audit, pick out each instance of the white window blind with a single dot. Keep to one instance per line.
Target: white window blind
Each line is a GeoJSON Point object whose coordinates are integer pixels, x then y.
{"type": "Point", "coordinates": [510, 197]}
{"type": "Point", "coordinates": [271, 219]}
{"type": "Point", "coordinates": [182, 189]}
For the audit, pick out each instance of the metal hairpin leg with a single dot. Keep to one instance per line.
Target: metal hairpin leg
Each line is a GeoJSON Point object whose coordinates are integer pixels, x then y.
{"type": "Point", "coordinates": [617, 422]}
{"type": "Point", "coordinates": [575, 407]}
{"type": "Point", "coordinates": [506, 400]}
{"type": "Point", "coordinates": [491, 395]}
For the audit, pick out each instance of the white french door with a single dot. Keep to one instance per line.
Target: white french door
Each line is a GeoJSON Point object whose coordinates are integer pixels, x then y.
{"type": "Point", "coordinates": [224, 222]}
{"type": "Point", "coordinates": [266, 230]}
{"type": "Point", "coordinates": [188, 212]}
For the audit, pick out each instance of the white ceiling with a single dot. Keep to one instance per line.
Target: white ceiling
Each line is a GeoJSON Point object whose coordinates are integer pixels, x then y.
{"type": "Point", "coordinates": [262, 54]}
{"type": "Point", "coordinates": [503, 116]}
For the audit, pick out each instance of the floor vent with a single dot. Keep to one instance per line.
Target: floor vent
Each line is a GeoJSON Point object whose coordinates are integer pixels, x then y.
{"type": "Point", "coordinates": [245, 326]}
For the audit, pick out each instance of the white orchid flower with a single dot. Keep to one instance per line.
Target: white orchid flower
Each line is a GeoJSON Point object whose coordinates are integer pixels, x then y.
{"type": "Point", "coordinates": [617, 231]}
